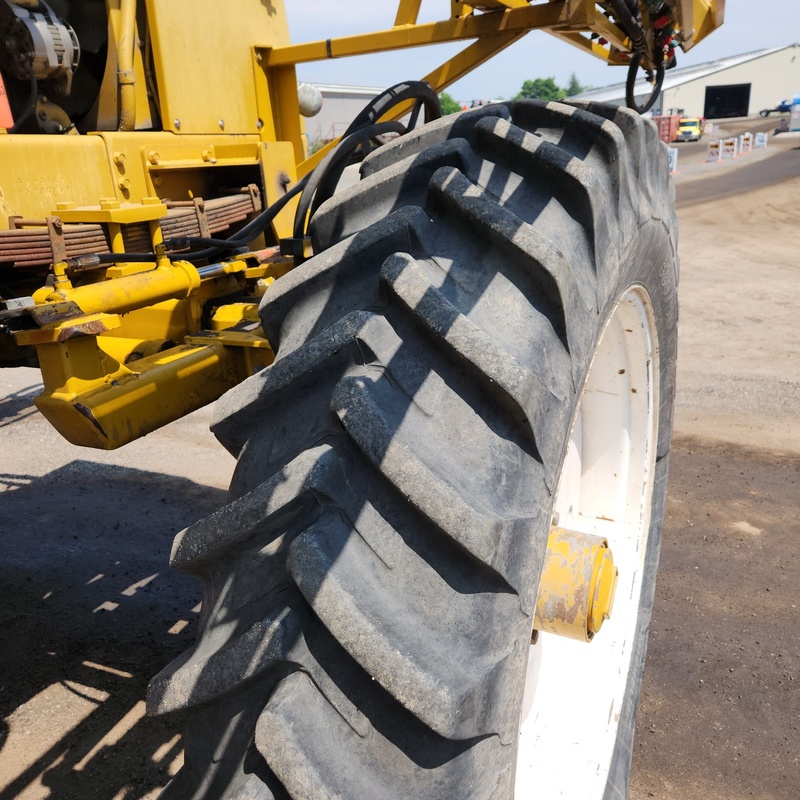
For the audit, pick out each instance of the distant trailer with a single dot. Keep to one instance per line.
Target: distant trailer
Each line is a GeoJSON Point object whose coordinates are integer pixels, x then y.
{"type": "Point", "coordinates": [668, 125]}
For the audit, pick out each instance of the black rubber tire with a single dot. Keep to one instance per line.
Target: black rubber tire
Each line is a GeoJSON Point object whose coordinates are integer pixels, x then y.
{"type": "Point", "coordinates": [369, 589]}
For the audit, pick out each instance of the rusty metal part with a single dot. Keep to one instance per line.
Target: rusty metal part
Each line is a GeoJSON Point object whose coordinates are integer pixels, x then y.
{"type": "Point", "coordinates": [29, 242]}
{"type": "Point", "coordinates": [55, 232]}
{"type": "Point", "coordinates": [202, 218]}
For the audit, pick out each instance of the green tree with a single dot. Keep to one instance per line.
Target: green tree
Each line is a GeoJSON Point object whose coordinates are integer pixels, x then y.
{"type": "Point", "coordinates": [575, 86]}
{"type": "Point", "coordinates": [541, 89]}
{"type": "Point", "coordinates": [449, 106]}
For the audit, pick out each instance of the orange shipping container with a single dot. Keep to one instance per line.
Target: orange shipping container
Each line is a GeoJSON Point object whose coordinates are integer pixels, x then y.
{"type": "Point", "coordinates": [668, 127]}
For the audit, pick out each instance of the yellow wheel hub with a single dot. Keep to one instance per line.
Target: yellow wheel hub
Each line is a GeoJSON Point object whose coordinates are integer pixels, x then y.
{"type": "Point", "coordinates": [576, 590]}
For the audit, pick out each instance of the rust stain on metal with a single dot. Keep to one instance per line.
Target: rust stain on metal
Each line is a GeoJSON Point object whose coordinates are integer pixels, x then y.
{"type": "Point", "coordinates": [91, 328]}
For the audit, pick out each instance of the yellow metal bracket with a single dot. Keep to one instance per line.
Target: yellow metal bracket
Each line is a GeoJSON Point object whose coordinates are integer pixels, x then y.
{"type": "Point", "coordinates": [112, 211]}
{"type": "Point", "coordinates": [104, 387]}
{"type": "Point", "coordinates": [117, 405]}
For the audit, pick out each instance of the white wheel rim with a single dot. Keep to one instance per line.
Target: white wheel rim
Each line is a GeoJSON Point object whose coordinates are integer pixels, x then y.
{"type": "Point", "coordinates": [574, 691]}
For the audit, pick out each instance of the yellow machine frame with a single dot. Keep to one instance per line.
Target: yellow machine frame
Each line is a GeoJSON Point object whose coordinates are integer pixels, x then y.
{"type": "Point", "coordinates": [128, 347]}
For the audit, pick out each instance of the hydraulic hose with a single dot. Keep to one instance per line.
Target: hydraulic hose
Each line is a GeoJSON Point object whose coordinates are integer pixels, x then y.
{"type": "Point", "coordinates": [253, 228]}
{"type": "Point", "coordinates": [636, 33]}
{"type": "Point", "coordinates": [342, 150]}
{"type": "Point", "coordinates": [419, 91]}
{"type": "Point", "coordinates": [630, 25]}
{"type": "Point", "coordinates": [393, 96]}
{"type": "Point", "coordinates": [318, 185]}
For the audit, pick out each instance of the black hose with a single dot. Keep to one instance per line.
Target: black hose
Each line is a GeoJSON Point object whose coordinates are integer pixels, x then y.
{"type": "Point", "coordinates": [254, 228]}
{"type": "Point", "coordinates": [636, 33]}
{"type": "Point", "coordinates": [393, 96]}
{"type": "Point", "coordinates": [112, 258]}
{"type": "Point", "coordinates": [29, 109]}
{"type": "Point", "coordinates": [259, 224]}
{"type": "Point", "coordinates": [630, 25]}
{"type": "Point", "coordinates": [186, 242]}
{"type": "Point", "coordinates": [630, 84]}
{"type": "Point", "coordinates": [420, 91]}
{"type": "Point", "coordinates": [320, 183]}
{"type": "Point", "coordinates": [323, 170]}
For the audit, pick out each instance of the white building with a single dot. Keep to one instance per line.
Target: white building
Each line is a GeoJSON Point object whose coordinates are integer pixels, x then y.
{"type": "Point", "coordinates": [340, 105]}
{"type": "Point", "coordinates": [738, 86]}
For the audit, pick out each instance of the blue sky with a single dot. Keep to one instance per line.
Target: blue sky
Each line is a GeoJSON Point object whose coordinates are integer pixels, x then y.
{"type": "Point", "coordinates": [748, 26]}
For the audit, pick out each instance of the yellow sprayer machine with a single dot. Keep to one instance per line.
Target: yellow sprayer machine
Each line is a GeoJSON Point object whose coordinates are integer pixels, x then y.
{"type": "Point", "coordinates": [449, 386]}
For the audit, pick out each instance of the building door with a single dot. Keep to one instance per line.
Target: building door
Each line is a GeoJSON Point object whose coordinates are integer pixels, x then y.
{"type": "Point", "coordinates": [732, 100]}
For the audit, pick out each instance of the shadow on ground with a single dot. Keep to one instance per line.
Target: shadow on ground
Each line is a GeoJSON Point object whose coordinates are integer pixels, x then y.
{"type": "Point", "coordinates": [90, 612]}
{"type": "Point", "coordinates": [18, 405]}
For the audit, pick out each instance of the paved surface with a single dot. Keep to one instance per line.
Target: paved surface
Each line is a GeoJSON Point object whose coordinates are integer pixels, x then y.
{"type": "Point", "coordinates": [700, 181]}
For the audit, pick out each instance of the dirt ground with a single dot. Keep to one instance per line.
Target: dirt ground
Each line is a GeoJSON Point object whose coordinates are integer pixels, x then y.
{"type": "Point", "coordinates": [90, 610]}
{"type": "Point", "coordinates": [720, 711]}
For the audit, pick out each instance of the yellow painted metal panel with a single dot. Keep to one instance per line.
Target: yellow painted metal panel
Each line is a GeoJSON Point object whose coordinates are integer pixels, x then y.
{"type": "Point", "coordinates": [41, 171]}
{"type": "Point", "coordinates": [278, 166]}
{"type": "Point", "coordinates": [106, 414]}
{"type": "Point", "coordinates": [286, 108]}
{"type": "Point", "coordinates": [134, 157]}
{"type": "Point", "coordinates": [202, 52]}
{"type": "Point", "coordinates": [708, 16]}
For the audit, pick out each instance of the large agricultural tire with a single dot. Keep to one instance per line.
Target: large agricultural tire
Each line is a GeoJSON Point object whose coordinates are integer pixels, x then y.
{"type": "Point", "coordinates": [485, 340]}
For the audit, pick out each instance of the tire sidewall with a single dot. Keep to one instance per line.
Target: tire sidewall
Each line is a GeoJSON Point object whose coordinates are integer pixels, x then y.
{"type": "Point", "coordinates": [651, 263]}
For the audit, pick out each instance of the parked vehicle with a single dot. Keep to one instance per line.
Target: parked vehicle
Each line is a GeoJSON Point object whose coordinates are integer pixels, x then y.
{"type": "Point", "coordinates": [690, 129]}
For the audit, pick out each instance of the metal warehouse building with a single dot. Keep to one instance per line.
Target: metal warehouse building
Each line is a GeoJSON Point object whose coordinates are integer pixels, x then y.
{"type": "Point", "coordinates": [730, 87]}
{"type": "Point", "coordinates": [340, 105]}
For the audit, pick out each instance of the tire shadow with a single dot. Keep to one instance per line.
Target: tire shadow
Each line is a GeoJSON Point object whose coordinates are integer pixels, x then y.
{"type": "Point", "coordinates": [90, 612]}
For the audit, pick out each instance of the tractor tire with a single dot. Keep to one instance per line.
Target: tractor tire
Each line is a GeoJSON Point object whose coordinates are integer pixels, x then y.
{"type": "Point", "coordinates": [485, 340]}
